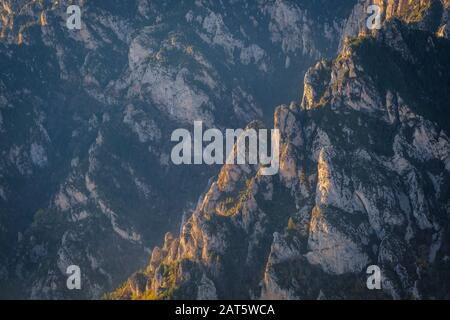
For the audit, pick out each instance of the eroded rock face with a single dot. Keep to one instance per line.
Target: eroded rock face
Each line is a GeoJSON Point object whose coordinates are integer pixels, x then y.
{"type": "Point", "coordinates": [364, 180]}
{"type": "Point", "coordinates": [363, 168]}
{"type": "Point", "coordinates": [86, 118]}
{"type": "Point", "coordinates": [429, 15]}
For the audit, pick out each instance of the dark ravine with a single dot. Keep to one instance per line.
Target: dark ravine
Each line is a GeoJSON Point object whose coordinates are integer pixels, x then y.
{"type": "Point", "coordinates": [365, 179]}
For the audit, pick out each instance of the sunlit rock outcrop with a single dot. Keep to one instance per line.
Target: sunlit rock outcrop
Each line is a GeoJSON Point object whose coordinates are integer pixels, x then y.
{"type": "Point", "coordinates": [364, 180]}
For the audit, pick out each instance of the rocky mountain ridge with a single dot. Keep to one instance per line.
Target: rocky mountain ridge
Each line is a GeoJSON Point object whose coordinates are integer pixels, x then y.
{"type": "Point", "coordinates": [364, 179]}
{"type": "Point", "coordinates": [86, 117]}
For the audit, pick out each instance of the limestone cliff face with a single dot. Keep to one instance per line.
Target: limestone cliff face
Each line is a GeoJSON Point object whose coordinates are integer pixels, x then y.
{"type": "Point", "coordinates": [430, 15]}
{"type": "Point", "coordinates": [364, 179]}
{"type": "Point", "coordinates": [375, 200]}
{"type": "Point", "coordinates": [86, 117]}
